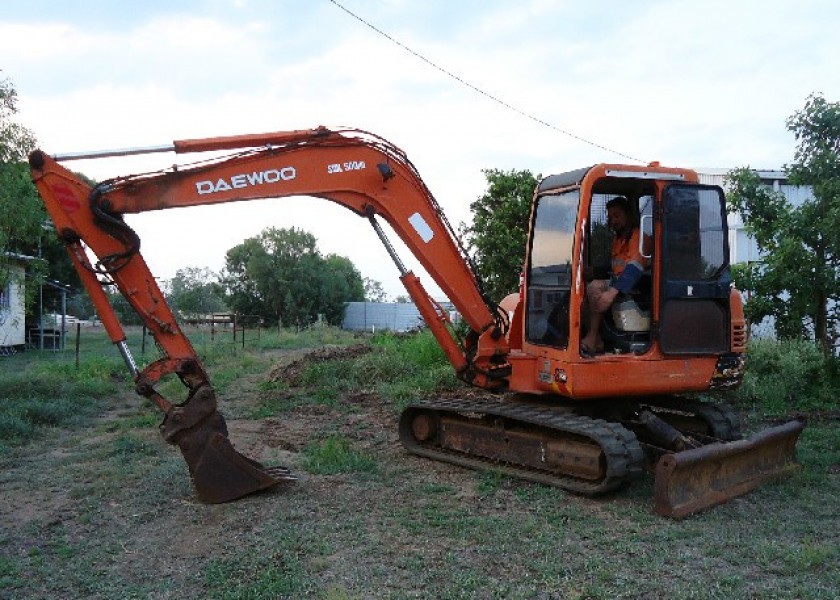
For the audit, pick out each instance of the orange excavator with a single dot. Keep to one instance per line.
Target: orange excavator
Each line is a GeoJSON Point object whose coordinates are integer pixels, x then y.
{"type": "Point", "coordinates": [588, 423]}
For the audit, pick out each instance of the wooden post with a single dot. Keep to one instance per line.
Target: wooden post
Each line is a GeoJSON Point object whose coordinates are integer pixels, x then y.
{"type": "Point", "coordinates": [78, 337]}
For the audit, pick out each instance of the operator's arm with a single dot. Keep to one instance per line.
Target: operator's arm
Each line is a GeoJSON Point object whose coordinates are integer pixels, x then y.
{"type": "Point", "coordinates": [634, 264]}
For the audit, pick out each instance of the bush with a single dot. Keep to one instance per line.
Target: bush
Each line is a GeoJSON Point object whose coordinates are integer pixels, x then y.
{"type": "Point", "coordinates": [788, 376]}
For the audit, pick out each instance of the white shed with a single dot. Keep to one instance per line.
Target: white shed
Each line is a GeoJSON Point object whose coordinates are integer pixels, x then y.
{"type": "Point", "coordinates": [12, 309]}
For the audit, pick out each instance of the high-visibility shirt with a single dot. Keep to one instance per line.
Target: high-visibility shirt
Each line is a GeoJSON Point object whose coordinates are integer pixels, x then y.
{"type": "Point", "coordinates": [628, 263]}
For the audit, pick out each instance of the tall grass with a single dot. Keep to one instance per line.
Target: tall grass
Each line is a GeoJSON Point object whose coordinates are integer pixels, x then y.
{"type": "Point", "coordinates": [35, 394]}
{"type": "Point", "coordinates": [400, 368]}
{"type": "Point", "coordinates": [46, 390]}
{"type": "Point", "coordinates": [788, 376]}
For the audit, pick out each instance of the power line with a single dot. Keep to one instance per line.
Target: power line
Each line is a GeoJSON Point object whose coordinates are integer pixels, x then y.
{"type": "Point", "coordinates": [475, 88]}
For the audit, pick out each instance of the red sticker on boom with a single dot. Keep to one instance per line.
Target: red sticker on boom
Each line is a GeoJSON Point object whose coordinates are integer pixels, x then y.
{"type": "Point", "coordinates": [66, 197]}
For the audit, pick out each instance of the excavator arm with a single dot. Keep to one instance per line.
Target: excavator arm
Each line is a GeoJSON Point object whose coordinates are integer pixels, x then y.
{"type": "Point", "coordinates": [358, 170]}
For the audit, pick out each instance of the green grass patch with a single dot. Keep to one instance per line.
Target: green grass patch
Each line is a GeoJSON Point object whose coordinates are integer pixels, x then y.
{"type": "Point", "coordinates": [401, 368]}
{"type": "Point", "coordinates": [277, 575]}
{"type": "Point", "coordinates": [336, 455]}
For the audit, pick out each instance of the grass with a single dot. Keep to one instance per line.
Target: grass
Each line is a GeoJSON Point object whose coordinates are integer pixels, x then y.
{"type": "Point", "coordinates": [95, 505]}
{"type": "Point", "coordinates": [335, 455]}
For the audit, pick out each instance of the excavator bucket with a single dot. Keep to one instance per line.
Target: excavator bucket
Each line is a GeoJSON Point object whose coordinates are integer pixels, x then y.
{"type": "Point", "coordinates": [222, 474]}
{"type": "Point", "coordinates": [690, 481]}
{"type": "Point", "coordinates": [219, 472]}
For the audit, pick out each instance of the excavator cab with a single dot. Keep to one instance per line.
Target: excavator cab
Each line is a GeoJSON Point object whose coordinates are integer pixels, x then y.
{"type": "Point", "coordinates": [681, 304]}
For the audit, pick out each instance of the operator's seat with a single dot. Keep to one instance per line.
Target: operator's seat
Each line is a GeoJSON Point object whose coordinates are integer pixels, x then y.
{"type": "Point", "coordinates": [626, 327]}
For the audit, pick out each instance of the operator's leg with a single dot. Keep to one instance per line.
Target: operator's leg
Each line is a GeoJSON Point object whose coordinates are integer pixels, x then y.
{"type": "Point", "coordinates": [592, 341]}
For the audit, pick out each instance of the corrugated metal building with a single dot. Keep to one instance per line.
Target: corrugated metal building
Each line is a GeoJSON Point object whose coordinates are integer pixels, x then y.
{"type": "Point", "coordinates": [390, 316]}
{"type": "Point", "coordinates": [378, 316]}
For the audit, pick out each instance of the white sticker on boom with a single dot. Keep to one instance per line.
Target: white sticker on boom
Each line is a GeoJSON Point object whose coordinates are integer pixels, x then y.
{"type": "Point", "coordinates": [421, 227]}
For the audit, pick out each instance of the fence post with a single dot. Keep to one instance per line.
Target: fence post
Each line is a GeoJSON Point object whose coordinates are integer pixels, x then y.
{"type": "Point", "coordinates": [143, 342]}
{"type": "Point", "coordinates": [78, 337]}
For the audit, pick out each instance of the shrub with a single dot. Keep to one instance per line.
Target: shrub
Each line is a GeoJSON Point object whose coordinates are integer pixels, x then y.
{"type": "Point", "coordinates": [788, 376]}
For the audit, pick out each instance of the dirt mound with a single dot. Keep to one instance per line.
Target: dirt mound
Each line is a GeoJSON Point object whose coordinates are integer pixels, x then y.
{"type": "Point", "coordinates": [291, 372]}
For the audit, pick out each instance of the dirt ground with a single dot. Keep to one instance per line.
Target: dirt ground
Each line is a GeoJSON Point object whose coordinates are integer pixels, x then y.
{"type": "Point", "coordinates": [108, 511]}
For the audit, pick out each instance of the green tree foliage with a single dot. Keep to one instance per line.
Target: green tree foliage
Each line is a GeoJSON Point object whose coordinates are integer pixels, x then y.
{"type": "Point", "coordinates": [280, 276]}
{"type": "Point", "coordinates": [23, 219]}
{"type": "Point", "coordinates": [796, 282]}
{"type": "Point", "coordinates": [499, 229]}
{"type": "Point", "coordinates": [21, 212]}
{"type": "Point", "coordinates": [196, 291]}
{"type": "Point", "coordinates": [374, 291]}
{"type": "Point", "coordinates": [16, 141]}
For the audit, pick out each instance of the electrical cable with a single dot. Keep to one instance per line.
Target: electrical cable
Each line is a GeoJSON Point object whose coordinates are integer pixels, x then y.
{"type": "Point", "coordinates": [481, 91]}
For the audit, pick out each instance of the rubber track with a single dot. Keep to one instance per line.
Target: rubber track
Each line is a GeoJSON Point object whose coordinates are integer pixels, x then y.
{"type": "Point", "coordinates": [623, 453]}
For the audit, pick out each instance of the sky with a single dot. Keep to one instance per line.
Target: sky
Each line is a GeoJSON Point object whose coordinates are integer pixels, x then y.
{"type": "Point", "coordinates": [460, 86]}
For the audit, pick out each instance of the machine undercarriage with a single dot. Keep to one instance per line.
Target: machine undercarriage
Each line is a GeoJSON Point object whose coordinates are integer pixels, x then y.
{"type": "Point", "coordinates": [693, 448]}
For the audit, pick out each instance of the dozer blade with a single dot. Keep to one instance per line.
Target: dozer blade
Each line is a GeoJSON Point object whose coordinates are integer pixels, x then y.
{"type": "Point", "coordinates": [690, 481]}
{"type": "Point", "coordinates": [219, 472]}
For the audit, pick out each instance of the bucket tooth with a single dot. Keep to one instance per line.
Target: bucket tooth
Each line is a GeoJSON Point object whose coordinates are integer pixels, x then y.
{"type": "Point", "coordinates": [693, 480]}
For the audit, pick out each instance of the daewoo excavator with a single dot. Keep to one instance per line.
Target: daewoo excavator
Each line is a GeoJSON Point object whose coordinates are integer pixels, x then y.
{"type": "Point", "coordinates": [586, 423]}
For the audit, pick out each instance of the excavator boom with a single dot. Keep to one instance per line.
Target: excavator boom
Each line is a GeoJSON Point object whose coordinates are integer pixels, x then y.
{"type": "Point", "coordinates": [360, 171]}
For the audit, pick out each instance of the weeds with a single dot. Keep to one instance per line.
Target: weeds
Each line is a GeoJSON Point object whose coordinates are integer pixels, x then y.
{"type": "Point", "coordinates": [335, 455]}
{"type": "Point", "coordinates": [788, 376]}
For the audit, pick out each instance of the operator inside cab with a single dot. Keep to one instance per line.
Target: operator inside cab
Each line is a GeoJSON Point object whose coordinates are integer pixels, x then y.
{"type": "Point", "coordinates": [628, 263]}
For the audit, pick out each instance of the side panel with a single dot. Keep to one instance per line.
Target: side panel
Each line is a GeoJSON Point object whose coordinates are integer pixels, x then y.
{"type": "Point", "coordinates": [628, 376]}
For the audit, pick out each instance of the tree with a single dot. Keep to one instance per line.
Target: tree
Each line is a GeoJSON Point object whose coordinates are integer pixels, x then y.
{"type": "Point", "coordinates": [21, 211]}
{"type": "Point", "coordinates": [374, 291]}
{"type": "Point", "coordinates": [340, 282]}
{"type": "Point", "coordinates": [16, 141]}
{"type": "Point", "coordinates": [280, 276]}
{"type": "Point", "coordinates": [796, 282]}
{"type": "Point", "coordinates": [499, 229]}
{"type": "Point", "coordinates": [195, 291]}
{"type": "Point", "coordinates": [23, 219]}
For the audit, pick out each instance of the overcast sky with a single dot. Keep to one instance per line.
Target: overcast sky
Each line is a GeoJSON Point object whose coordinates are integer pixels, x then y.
{"type": "Point", "coordinates": [688, 83]}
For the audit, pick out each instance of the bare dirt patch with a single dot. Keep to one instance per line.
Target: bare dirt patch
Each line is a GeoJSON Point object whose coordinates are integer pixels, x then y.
{"type": "Point", "coordinates": [290, 368]}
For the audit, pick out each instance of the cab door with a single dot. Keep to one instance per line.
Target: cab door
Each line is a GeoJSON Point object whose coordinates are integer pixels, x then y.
{"type": "Point", "coordinates": [695, 275]}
